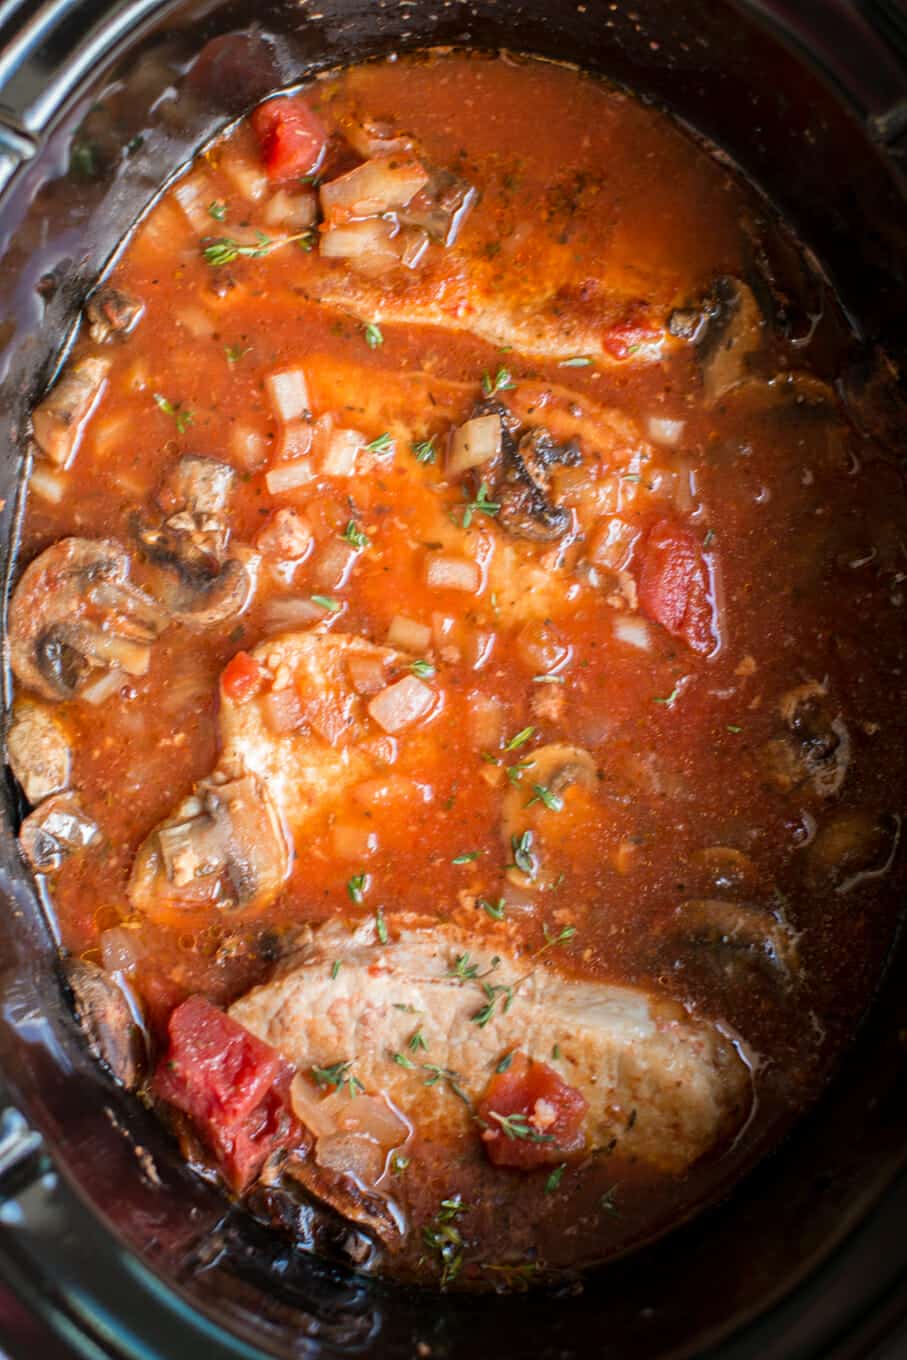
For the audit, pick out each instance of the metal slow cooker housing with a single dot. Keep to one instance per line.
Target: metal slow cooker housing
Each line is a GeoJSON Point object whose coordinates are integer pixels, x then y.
{"type": "Point", "coordinates": [111, 1246]}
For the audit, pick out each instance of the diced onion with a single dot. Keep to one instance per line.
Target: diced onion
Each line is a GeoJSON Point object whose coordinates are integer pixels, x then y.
{"type": "Point", "coordinates": [99, 690]}
{"type": "Point", "coordinates": [196, 321]}
{"type": "Point", "coordinates": [247, 176]}
{"type": "Point", "coordinates": [334, 564]}
{"type": "Point", "coordinates": [248, 446]}
{"type": "Point", "coordinates": [408, 635]}
{"type": "Point", "coordinates": [120, 949]}
{"type": "Point", "coordinates": [452, 573]}
{"type": "Point", "coordinates": [391, 788]}
{"type": "Point", "coordinates": [414, 243]}
{"type": "Point", "coordinates": [442, 626]}
{"type": "Point", "coordinates": [377, 186]}
{"type": "Point", "coordinates": [288, 476]}
{"type": "Point", "coordinates": [133, 657]}
{"type": "Point", "coordinates": [286, 537]}
{"type": "Point", "coordinates": [308, 1108]}
{"type": "Point", "coordinates": [663, 431]}
{"type": "Point", "coordinates": [282, 710]}
{"type": "Point", "coordinates": [634, 631]}
{"type": "Point", "coordinates": [370, 1116]}
{"type": "Point", "coordinates": [353, 1154]}
{"type": "Point", "coordinates": [367, 244]}
{"type": "Point", "coordinates": [48, 484]}
{"type": "Point", "coordinates": [284, 616]}
{"type": "Point", "coordinates": [295, 440]}
{"type": "Point", "coordinates": [340, 455]}
{"type": "Point", "coordinates": [474, 443]}
{"type": "Point", "coordinates": [297, 211]}
{"type": "Point", "coordinates": [367, 672]}
{"type": "Point", "coordinates": [289, 393]}
{"type": "Point", "coordinates": [401, 704]}
{"type": "Point", "coordinates": [479, 647]}
{"type": "Point", "coordinates": [486, 721]}
{"type": "Point", "coordinates": [194, 194]}
{"type": "Point", "coordinates": [353, 843]}
{"type": "Point", "coordinates": [611, 543]}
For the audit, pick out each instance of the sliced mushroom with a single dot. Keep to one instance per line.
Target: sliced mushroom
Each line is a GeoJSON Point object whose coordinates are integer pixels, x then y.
{"type": "Point", "coordinates": [852, 849]}
{"type": "Point", "coordinates": [37, 750]}
{"type": "Point", "coordinates": [727, 328]}
{"type": "Point", "coordinates": [224, 846]}
{"type": "Point", "coordinates": [521, 482]}
{"type": "Point", "coordinates": [104, 1012]}
{"type": "Point", "coordinates": [60, 419]}
{"type": "Point", "coordinates": [736, 930]}
{"type": "Point", "coordinates": [553, 768]}
{"type": "Point", "coordinates": [817, 749]}
{"type": "Point", "coordinates": [199, 584]}
{"type": "Point", "coordinates": [441, 206]}
{"type": "Point", "coordinates": [75, 612]}
{"type": "Point", "coordinates": [55, 830]}
{"type": "Point", "coordinates": [111, 312]}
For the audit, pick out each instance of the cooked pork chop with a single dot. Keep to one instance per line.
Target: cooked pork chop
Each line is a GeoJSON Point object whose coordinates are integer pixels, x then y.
{"type": "Point", "coordinates": [624, 1049]}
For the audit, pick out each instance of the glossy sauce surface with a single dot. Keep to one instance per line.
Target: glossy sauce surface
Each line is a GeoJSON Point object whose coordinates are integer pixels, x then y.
{"type": "Point", "coordinates": [703, 863]}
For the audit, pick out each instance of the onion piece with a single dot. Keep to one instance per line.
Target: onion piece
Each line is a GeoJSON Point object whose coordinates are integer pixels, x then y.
{"type": "Point", "coordinates": [196, 321]}
{"type": "Point", "coordinates": [401, 704]}
{"type": "Point", "coordinates": [133, 657]}
{"type": "Point", "coordinates": [367, 244]}
{"type": "Point", "coordinates": [297, 211]}
{"type": "Point", "coordinates": [120, 949]}
{"type": "Point", "coordinates": [379, 185]}
{"type": "Point", "coordinates": [248, 446]}
{"type": "Point", "coordinates": [368, 673]}
{"type": "Point", "coordinates": [50, 485]}
{"type": "Point", "coordinates": [391, 788]}
{"type": "Point", "coordinates": [663, 431]}
{"type": "Point", "coordinates": [309, 1108]}
{"type": "Point", "coordinates": [352, 842]}
{"type": "Point", "coordinates": [473, 443]}
{"type": "Point", "coordinates": [354, 1154]}
{"type": "Point", "coordinates": [282, 710]}
{"type": "Point", "coordinates": [107, 683]}
{"type": "Point", "coordinates": [453, 573]}
{"type": "Point", "coordinates": [286, 537]}
{"type": "Point", "coordinates": [342, 450]}
{"type": "Point", "coordinates": [248, 176]}
{"type": "Point", "coordinates": [408, 635]}
{"type": "Point", "coordinates": [414, 243]}
{"type": "Point", "coordinates": [611, 543]}
{"type": "Point", "coordinates": [289, 393]}
{"type": "Point", "coordinates": [285, 616]}
{"type": "Point", "coordinates": [295, 440]}
{"type": "Point", "coordinates": [486, 721]}
{"type": "Point", "coordinates": [634, 631]}
{"type": "Point", "coordinates": [370, 1116]}
{"type": "Point", "coordinates": [334, 564]}
{"type": "Point", "coordinates": [288, 476]}
{"type": "Point", "coordinates": [194, 194]}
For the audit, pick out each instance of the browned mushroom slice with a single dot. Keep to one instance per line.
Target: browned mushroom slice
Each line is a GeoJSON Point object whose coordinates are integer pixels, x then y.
{"type": "Point", "coordinates": [74, 613]}
{"type": "Point", "coordinates": [852, 849]}
{"type": "Point", "coordinates": [104, 1012]}
{"type": "Point", "coordinates": [441, 206]}
{"type": "Point", "coordinates": [521, 475]}
{"type": "Point", "coordinates": [60, 419]}
{"type": "Point", "coordinates": [737, 930]}
{"type": "Point", "coordinates": [727, 328]}
{"type": "Point", "coordinates": [111, 312]}
{"type": "Point", "coordinates": [199, 584]}
{"type": "Point", "coordinates": [38, 751]}
{"type": "Point", "coordinates": [55, 830]}
{"type": "Point", "coordinates": [817, 747]}
{"type": "Point", "coordinates": [548, 773]}
{"type": "Point", "coordinates": [223, 846]}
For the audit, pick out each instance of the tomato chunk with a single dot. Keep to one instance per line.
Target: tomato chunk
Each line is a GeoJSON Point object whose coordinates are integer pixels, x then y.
{"type": "Point", "coordinates": [291, 137]}
{"type": "Point", "coordinates": [233, 1087]}
{"type": "Point", "coordinates": [241, 678]}
{"type": "Point", "coordinates": [533, 1117]}
{"type": "Point", "coordinates": [674, 588]}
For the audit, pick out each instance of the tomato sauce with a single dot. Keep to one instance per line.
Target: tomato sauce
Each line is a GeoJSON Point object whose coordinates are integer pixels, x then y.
{"type": "Point", "coordinates": [719, 628]}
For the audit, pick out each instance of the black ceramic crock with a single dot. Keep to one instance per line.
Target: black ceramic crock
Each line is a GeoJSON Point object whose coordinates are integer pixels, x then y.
{"type": "Point", "coordinates": [111, 1247]}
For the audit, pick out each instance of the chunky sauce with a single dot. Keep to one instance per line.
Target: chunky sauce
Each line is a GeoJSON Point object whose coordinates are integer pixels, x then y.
{"type": "Point", "coordinates": [707, 606]}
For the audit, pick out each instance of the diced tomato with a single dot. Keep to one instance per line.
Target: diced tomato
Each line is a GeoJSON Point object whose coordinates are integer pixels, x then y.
{"type": "Point", "coordinates": [290, 136]}
{"type": "Point", "coordinates": [241, 678]}
{"type": "Point", "coordinates": [233, 1087]}
{"type": "Point", "coordinates": [533, 1117]}
{"type": "Point", "coordinates": [624, 338]}
{"type": "Point", "coordinates": [674, 587]}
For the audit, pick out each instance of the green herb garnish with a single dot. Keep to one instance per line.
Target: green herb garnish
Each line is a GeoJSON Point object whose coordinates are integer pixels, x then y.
{"type": "Point", "coordinates": [235, 352]}
{"type": "Point", "coordinates": [357, 887]}
{"type": "Point", "coordinates": [335, 969]}
{"type": "Point", "coordinates": [493, 994]}
{"type": "Point", "coordinates": [416, 1041]}
{"type": "Point", "coordinates": [424, 450]}
{"type": "Point", "coordinates": [372, 333]}
{"type": "Point", "coordinates": [501, 382]}
{"type": "Point", "coordinates": [576, 361]}
{"type": "Point", "coordinates": [480, 506]}
{"type": "Point", "coordinates": [494, 909]}
{"type": "Point", "coordinates": [670, 698]}
{"type": "Point", "coordinates": [467, 857]}
{"type": "Point", "coordinates": [225, 250]}
{"type": "Point", "coordinates": [519, 739]}
{"type": "Point", "coordinates": [553, 801]}
{"type": "Point", "coordinates": [567, 933]}
{"type": "Point", "coordinates": [338, 1075]}
{"type": "Point", "coordinates": [381, 925]}
{"type": "Point", "coordinates": [443, 1236]}
{"type": "Point", "coordinates": [181, 415]}
{"type": "Point", "coordinates": [379, 445]}
{"type": "Point", "coordinates": [326, 602]}
{"type": "Point", "coordinates": [353, 534]}
{"type": "Point", "coordinates": [555, 1178]}
{"type": "Point", "coordinates": [518, 1126]}
{"type": "Point", "coordinates": [217, 209]}
{"type": "Point", "coordinates": [424, 669]}
{"type": "Point", "coordinates": [523, 858]}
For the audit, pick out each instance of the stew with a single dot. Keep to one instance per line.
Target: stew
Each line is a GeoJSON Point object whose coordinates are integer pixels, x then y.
{"type": "Point", "coordinates": [458, 667]}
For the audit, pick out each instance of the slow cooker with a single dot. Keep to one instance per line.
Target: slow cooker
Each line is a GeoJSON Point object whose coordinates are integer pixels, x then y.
{"type": "Point", "coordinates": [109, 1247]}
